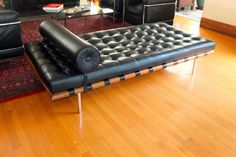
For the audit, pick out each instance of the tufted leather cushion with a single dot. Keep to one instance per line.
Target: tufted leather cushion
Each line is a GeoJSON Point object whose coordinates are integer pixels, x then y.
{"type": "Point", "coordinates": [119, 46]}
{"type": "Point", "coordinates": [80, 53]}
{"type": "Point", "coordinates": [122, 50]}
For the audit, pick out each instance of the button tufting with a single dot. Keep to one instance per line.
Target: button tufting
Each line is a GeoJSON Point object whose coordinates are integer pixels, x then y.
{"type": "Point", "coordinates": [88, 59]}
{"type": "Point", "coordinates": [125, 44]}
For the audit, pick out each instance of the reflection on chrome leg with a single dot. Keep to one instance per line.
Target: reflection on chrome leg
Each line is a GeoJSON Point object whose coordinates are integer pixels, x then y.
{"type": "Point", "coordinates": [194, 65]}
{"type": "Point", "coordinates": [79, 103]}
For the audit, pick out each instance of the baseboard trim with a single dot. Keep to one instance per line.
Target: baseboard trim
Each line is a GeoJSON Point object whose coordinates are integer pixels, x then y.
{"type": "Point", "coordinates": [219, 26]}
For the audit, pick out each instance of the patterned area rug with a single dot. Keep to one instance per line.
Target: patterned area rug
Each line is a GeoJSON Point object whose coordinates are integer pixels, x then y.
{"type": "Point", "coordinates": [76, 25]}
{"type": "Point", "coordinates": [17, 79]}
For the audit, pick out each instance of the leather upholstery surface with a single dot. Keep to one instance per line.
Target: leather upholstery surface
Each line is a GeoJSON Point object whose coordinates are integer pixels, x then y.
{"type": "Point", "coordinates": [161, 11]}
{"type": "Point", "coordinates": [10, 35]}
{"type": "Point", "coordinates": [8, 16]}
{"type": "Point", "coordinates": [122, 51]}
{"type": "Point", "coordinates": [165, 13]}
{"type": "Point", "coordinates": [84, 56]}
{"type": "Point", "coordinates": [135, 9]}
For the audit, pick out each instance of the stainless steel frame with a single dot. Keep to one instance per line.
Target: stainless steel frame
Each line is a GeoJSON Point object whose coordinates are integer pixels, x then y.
{"type": "Point", "coordinates": [10, 23]}
{"type": "Point", "coordinates": [123, 18]}
{"type": "Point", "coordinates": [80, 90]}
{"type": "Point", "coordinates": [12, 48]}
{"type": "Point", "coordinates": [114, 11]}
{"type": "Point", "coordinates": [79, 95]}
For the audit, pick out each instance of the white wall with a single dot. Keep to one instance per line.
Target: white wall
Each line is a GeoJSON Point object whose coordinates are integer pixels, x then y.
{"type": "Point", "coordinates": [220, 10]}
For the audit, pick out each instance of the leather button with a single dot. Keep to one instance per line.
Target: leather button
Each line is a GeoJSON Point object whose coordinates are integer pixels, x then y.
{"type": "Point", "coordinates": [88, 59]}
{"type": "Point", "coordinates": [117, 46]}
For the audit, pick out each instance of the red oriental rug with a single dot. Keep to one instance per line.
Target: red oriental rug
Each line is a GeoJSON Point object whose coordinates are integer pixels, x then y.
{"type": "Point", "coordinates": [30, 29]}
{"type": "Point", "coordinates": [17, 79]}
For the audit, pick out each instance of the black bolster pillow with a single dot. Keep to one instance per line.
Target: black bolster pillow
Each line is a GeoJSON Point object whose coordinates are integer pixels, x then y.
{"type": "Point", "coordinates": [83, 55]}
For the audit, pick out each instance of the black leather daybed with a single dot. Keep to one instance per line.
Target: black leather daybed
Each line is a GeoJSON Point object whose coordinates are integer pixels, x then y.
{"type": "Point", "coordinates": [69, 65]}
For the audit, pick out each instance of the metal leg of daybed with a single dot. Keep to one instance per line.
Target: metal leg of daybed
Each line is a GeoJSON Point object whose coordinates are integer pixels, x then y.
{"type": "Point", "coordinates": [123, 14]}
{"type": "Point", "coordinates": [194, 65]}
{"type": "Point", "coordinates": [80, 90]}
{"type": "Point", "coordinates": [79, 103]}
{"type": "Point", "coordinates": [114, 12]}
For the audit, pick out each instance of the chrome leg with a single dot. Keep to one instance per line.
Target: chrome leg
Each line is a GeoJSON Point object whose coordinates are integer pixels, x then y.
{"type": "Point", "coordinates": [79, 103]}
{"type": "Point", "coordinates": [194, 65]}
{"type": "Point", "coordinates": [144, 11]}
{"type": "Point", "coordinates": [114, 11]}
{"type": "Point", "coordinates": [102, 20]}
{"type": "Point", "coordinates": [114, 16]}
{"type": "Point", "coordinates": [123, 16]}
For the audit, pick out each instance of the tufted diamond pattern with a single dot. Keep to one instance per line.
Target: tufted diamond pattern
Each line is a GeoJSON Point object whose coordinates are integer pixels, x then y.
{"type": "Point", "coordinates": [122, 51]}
{"type": "Point", "coordinates": [128, 44]}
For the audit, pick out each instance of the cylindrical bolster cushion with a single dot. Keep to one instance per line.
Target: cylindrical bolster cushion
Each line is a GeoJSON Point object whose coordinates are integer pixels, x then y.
{"type": "Point", "coordinates": [84, 56]}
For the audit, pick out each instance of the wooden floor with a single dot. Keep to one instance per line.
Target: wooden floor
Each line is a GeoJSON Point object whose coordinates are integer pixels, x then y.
{"type": "Point", "coordinates": [163, 114]}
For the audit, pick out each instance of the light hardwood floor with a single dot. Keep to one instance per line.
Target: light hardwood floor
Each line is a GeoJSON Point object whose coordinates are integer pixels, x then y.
{"type": "Point", "coordinates": [168, 113]}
